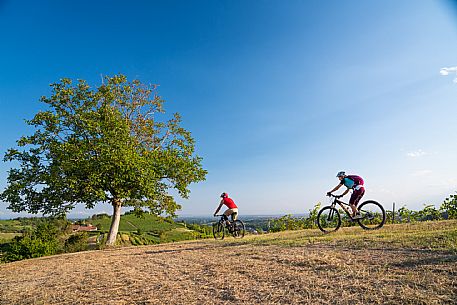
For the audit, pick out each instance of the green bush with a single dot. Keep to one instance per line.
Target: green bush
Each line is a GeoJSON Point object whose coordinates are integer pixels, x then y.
{"type": "Point", "coordinates": [77, 242]}
{"type": "Point", "coordinates": [42, 241]}
{"type": "Point", "coordinates": [29, 246]}
{"type": "Point", "coordinates": [429, 212]}
{"type": "Point", "coordinates": [449, 206]}
{"type": "Point", "coordinates": [288, 222]}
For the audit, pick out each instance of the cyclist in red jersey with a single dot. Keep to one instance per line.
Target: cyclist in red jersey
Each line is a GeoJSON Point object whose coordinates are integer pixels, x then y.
{"type": "Point", "coordinates": [355, 183]}
{"type": "Point", "coordinates": [232, 208]}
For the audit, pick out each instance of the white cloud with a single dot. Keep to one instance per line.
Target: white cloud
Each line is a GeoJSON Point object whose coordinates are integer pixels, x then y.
{"type": "Point", "coordinates": [417, 153]}
{"type": "Point", "coordinates": [422, 173]}
{"type": "Point", "coordinates": [445, 71]}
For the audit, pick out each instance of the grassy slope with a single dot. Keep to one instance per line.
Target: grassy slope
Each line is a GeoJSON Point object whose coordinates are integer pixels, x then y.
{"type": "Point", "coordinates": [437, 235]}
{"type": "Point", "coordinates": [399, 264]}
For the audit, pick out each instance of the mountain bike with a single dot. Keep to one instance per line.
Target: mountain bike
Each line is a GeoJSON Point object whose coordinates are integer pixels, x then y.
{"type": "Point", "coordinates": [373, 215]}
{"type": "Point", "coordinates": [220, 228]}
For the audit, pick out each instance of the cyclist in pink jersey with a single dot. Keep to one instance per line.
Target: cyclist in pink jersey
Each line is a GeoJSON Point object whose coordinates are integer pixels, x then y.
{"type": "Point", "coordinates": [232, 208]}
{"type": "Point", "coordinates": [355, 183]}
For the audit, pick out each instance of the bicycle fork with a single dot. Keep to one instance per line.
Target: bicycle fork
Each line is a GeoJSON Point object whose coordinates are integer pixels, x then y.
{"type": "Point", "coordinates": [332, 212]}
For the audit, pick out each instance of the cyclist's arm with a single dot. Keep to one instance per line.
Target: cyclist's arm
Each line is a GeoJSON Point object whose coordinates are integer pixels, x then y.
{"type": "Point", "coordinates": [218, 208]}
{"type": "Point", "coordinates": [336, 188]}
{"type": "Point", "coordinates": [345, 192]}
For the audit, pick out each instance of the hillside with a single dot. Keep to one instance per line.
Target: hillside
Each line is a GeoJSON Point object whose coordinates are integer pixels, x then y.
{"type": "Point", "coordinates": [133, 230]}
{"type": "Point", "coordinates": [148, 229]}
{"type": "Point", "coordinates": [400, 264]}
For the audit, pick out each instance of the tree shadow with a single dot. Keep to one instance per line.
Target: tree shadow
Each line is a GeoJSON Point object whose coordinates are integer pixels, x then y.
{"type": "Point", "coordinates": [435, 260]}
{"type": "Point", "coordinates": [175, 250]}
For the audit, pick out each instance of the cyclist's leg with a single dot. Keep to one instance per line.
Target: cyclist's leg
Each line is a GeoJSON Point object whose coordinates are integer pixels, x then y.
{"type": "Point", "coordinates": [355, 198]}
{"type": "Point", "coordinates": [234, 214]}
{"type": "Point", "coordinates": [227, 213]}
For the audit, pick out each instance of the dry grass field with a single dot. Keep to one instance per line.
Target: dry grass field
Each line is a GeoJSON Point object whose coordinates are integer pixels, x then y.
{"type": "Point", "coordinates": [399, 264]}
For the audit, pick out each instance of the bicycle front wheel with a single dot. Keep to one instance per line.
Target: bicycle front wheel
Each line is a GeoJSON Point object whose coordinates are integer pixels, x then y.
{"type": "Point", "coordinates": [218, 231]}
{"type": "Point", "coordinates": [373, 215]}
{"type": "Point", "coordinates": [238, 229]}
{"type": "Point", "coordinates": [328, 219]}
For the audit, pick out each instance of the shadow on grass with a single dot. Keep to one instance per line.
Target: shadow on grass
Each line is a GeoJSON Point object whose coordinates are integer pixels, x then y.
{"type": "Point", "coordinates": [435, 260]}
{"type": "Point", "coordinates": [175, 250]}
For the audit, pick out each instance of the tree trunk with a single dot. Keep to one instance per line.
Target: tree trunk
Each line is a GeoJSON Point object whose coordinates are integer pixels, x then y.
{"type": "Point", "coordinates": [114, 222]}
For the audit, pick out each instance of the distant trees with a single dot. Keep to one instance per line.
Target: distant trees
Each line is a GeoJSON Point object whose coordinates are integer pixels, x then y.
{"type": "Point", "coordinates": [109, 144]}
{"type": "Point", "coordinates": [288, 222]}
{"type": "Point", "coordinates": [201, 231]}
{"type": "Point", "coordinates": [447, 210]}
{"type": "Point", "coordinates": [429, 212]}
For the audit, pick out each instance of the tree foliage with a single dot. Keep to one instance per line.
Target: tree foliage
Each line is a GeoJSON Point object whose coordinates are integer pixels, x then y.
{"type": "Point", "coordinates": [429, 212]}
{"type": "Point", "coordinates": [112, 143]}
{"type": "Point", "coordinates": [450, 206]}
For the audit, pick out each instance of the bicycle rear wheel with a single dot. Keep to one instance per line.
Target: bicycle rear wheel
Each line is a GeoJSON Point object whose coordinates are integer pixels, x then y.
{"type": "Point", "coordinates": [218, 231]}
{"type": "Point", "coordinates": [373, 215]}
{"type": "Point", "coordinates": [238, 229]}
{"type": "Point", "coordinates": [328, 219]}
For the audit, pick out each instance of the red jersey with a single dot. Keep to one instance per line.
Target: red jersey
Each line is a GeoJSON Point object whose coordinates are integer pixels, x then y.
{"type": "Point", "coordinates": [229, 203]}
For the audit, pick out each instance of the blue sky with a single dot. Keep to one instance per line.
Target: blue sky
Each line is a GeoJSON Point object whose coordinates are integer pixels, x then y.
{"type": "Point", "coordinates": [279, 95]}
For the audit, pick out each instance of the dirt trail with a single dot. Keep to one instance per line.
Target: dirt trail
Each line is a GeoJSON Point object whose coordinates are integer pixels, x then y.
{"type": "Point", "coordinates": [223, 273]}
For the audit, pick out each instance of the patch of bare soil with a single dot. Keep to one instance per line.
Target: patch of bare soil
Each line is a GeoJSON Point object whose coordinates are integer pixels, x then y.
{"type": "Point", "coordinates": [223, 273]}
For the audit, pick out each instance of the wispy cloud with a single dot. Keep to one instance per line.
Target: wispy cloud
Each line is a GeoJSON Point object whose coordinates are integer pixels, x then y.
{"type": "Point", "coordinates": [444, 184]}
{"type": "Point", "coordinates": [422, 173]}
{"type": "Point", "coordinates": [417, 153]}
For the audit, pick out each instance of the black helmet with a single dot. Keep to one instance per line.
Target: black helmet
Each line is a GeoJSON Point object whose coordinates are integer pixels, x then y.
{"type": "Point", "coordinates": [224, 195]}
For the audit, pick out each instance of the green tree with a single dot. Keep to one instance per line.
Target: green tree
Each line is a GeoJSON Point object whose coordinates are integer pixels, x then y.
{"type": "Point", "coordinates": [112, 144]}
{"type": "Point", "coordinates": [450, 206]}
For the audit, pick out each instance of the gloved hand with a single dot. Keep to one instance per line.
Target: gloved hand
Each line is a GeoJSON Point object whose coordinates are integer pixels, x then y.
{"type": "Point", "coordinates": [214, 215]}
{"type": "Point", "coordinates": [329, 194]}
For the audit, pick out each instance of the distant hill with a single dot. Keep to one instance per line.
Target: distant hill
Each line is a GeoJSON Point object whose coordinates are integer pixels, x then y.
{"type": "Point", "coordinates": [149, 229]}
{"type": "Point", "coordinates": [130, 222]}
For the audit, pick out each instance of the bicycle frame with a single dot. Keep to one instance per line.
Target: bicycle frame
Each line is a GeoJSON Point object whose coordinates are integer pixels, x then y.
{"type": "Point", "coordinates": [222, 219]}
{"type": "Point", "coordinates": [345, 206]}
{"type": "Point", "coordinates": [342, 204]}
